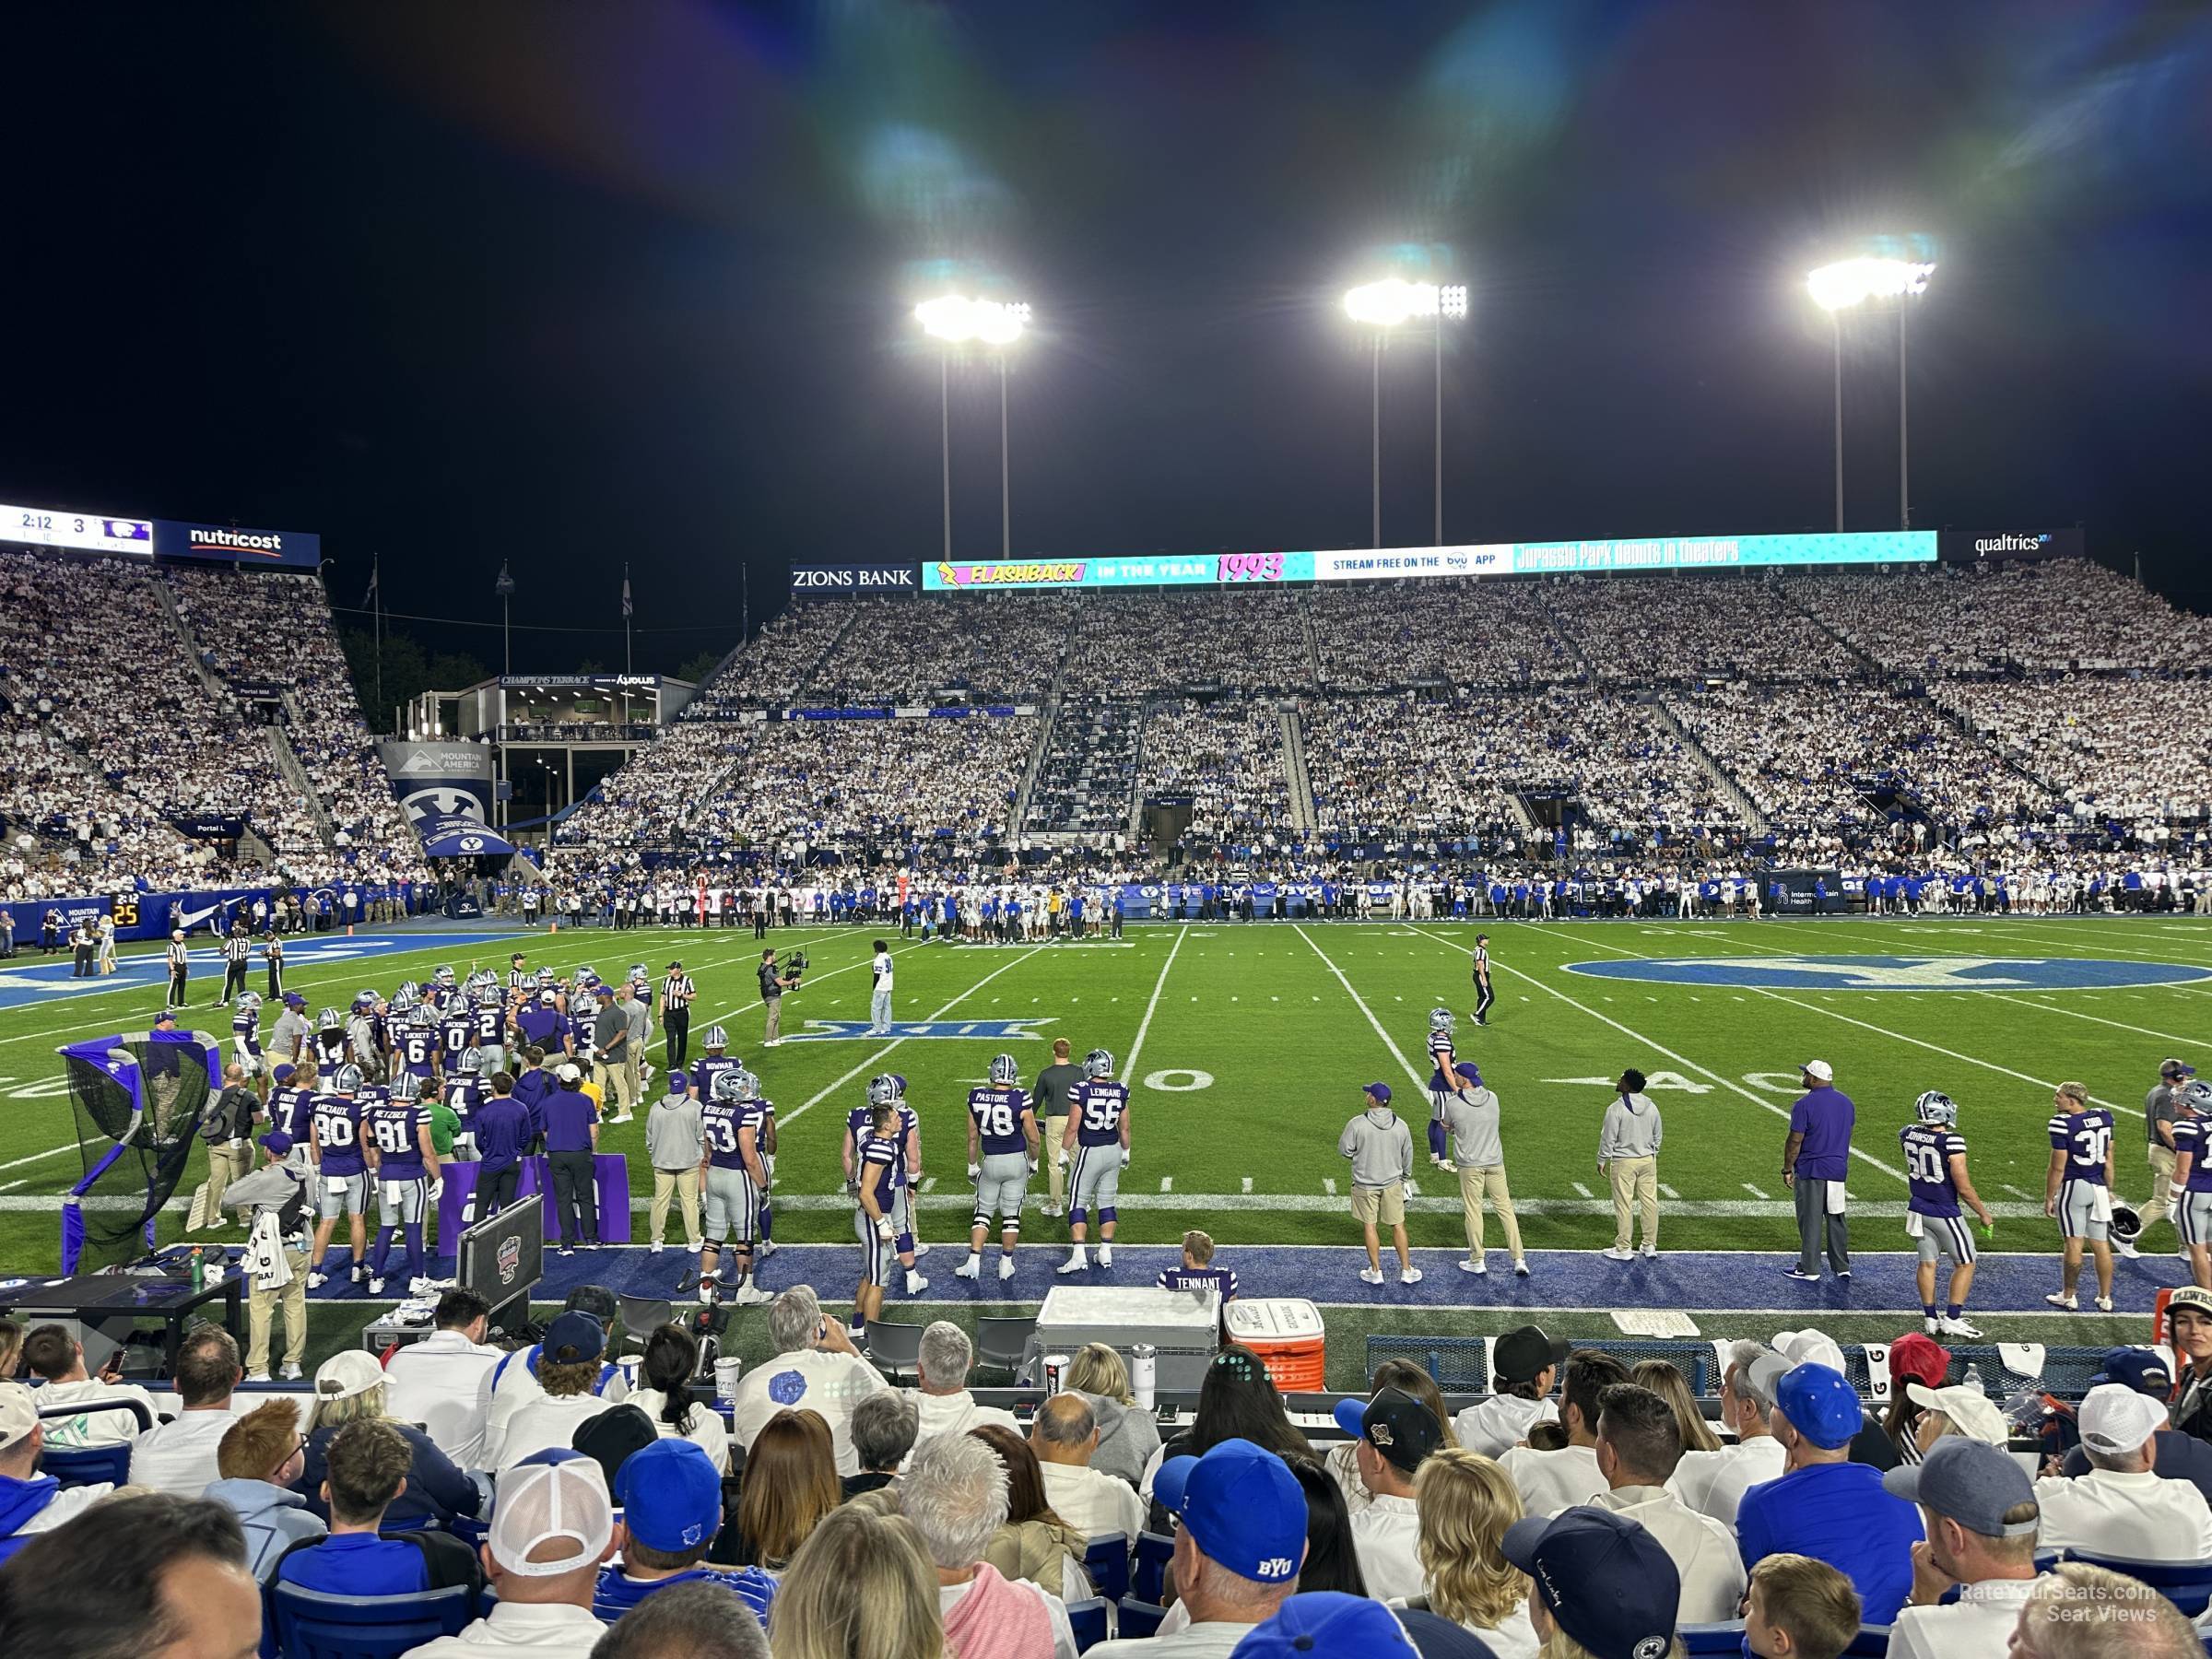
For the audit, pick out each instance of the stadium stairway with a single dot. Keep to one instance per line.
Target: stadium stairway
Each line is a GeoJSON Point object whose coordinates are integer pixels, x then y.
{"type": "Point", "coordinates": [1730, 789]}
{"type": "Point", "coordinates": [295, 772]}
{"type": "Point", "coordinates": [1294, 764]}
{"type": "Point", "coordinates": [191, 646]}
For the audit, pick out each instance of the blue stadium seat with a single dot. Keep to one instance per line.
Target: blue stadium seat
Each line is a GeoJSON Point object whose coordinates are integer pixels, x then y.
{"type": "Point", "coordinates": [1137, 1618]}
{"type": "Point", "coordinates": [1088, 1617]}
{"type": "Point", "coordinates": [1106, 1559]}
{"type": "Point", "coordinates": [1149, 1581]}
{"type": "Point", "coordinates": [2187, 1585]}
{"type": "Point", "coordinates": [88, 1465]}
{"type": "Point", "coordinates": [311, 1625]}
{"type": "Point", "coordinates": [1870, 1642]}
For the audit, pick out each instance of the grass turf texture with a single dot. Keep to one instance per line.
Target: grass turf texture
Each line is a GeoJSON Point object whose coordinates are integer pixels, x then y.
{"type": "Point", "coordinates": [1289, 1021]}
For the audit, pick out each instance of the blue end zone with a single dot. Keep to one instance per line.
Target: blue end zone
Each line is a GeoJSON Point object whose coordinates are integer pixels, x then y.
{"type": "Point", "coordinates": [26, 984]}
{"type": "Point", "coordinates": [1895, 973]}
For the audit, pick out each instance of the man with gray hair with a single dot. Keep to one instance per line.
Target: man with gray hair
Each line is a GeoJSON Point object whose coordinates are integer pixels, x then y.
{"type": "Point", "coordinates": [955, 1494]}
{"type": "Point", "coordinates": [686, 1622]}
{"type": "Point", "coordinates": [2124, 1509]}
{"type": "Point", "coordinates": [815, 1368]}
{"type": "Point", "coordinates": [2077, 1611]}
{"type": "Point", "coordinates": [1713, 1483]}
{"type": "Point", "coordinates": [947, 1405]}
{"type": "Point", "coordinates": [883, 1433]}
{"type": "Point", "coordinates": [1064, 1436]}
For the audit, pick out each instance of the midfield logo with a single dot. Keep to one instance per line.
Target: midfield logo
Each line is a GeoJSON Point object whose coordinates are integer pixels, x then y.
{"type": "Point", "coordinates": [1894, 973]}
{"type": "Point", "coordinates": [859, 1030]}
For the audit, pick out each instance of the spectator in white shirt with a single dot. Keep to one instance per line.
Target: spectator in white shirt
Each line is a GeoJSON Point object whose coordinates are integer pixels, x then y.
{"type": "Point", "coordinates": [1525, 1364]}
{"type": "Point", "coordinates": [815, 1368]}
{"type": "Point", "coordinates": [51, 1353]}
{"type": "Point", "coordinates": [553, 1529]}
{"type": "Point", "coordinates": [2077, 1611]}
{"type": "Point", "coordinates": [1551, 1481]}
{"type": "Point", "coordinates": [1394, 1433]}
{"type": "Point", "coordinates": [1713, 1483]}
{"type": "Point", "coordinates": [1063, 1437]}
{"type": "Point", "coordinates": [1467, 1503]}
{"type": "Point", "coordinates": [1981, 1515]}
{"type": "Point", "coordinates": [179, 1456]}
{"type": "Point", "coordinates": [954, 1493]}
{"type": "Point", "coordinates": [568, 1367]}
{"type": "Point", "coordinates": [1639, 1444]}
{"type": "Point", "coordinates": [444, 1381]}
{"type": "Point", "coordinates": [2121, 1509]}
{"type": "Point", "coordinates": [671, 1358]}
{"type": "Point", "coordinates": [946, 1405]}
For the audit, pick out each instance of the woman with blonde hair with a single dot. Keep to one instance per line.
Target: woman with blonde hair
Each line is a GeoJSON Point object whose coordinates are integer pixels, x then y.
{"type": "Point", "coordinates": [1404, 1375]}
{"type": "Point", "coordinates": [350, 1387]}
{"type": "Point", "coordinates": [790, 1484]}
{"type": "Point", "coordinates": [1127, 1434]}
{"type": "Point", "coordinates": [1466, 1501]}
{"type": "Point", "coordinates": [859, 1587]}
{"type": "Point", "coordinates": [1664, 1378]}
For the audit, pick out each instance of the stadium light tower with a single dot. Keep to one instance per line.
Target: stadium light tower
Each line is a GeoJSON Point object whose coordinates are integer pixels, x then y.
{"type": "Point", "coordinates": [1383, 306]}
{"type": "Point", "coordinates": [955, 320]}
{"type": "Point", "coordinates": [1841, 287]}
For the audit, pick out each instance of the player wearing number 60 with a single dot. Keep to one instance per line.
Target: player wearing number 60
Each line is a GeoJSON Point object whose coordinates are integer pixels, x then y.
{"type": "Point", "coordinates": [2078, 1191]}
{"type": "Point", "coordinates": [1001, 1155]}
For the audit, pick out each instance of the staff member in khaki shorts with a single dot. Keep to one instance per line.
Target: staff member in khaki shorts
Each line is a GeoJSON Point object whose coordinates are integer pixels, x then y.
{"type": "Point", "coordinates": [1381, 1148]}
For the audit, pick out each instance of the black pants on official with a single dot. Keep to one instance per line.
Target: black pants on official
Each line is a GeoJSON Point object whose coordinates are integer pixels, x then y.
{"type": "Point", "coordinates": [176, 988]}
{"type": "Point", "coordinates": [495, 1191]}
{"type": "Point", "coordinates": [574, 1196]}
{"type": "Point", "coordinates": [234, 981]}
{"type": "Point", "coordinates": [676, 1028]}
{"type": "Point", "coordinates": [276, 982]}
{"type": "Point", "coordinates": [1484, 998]}
{"type": "Point", "coordinates": [759, 925]}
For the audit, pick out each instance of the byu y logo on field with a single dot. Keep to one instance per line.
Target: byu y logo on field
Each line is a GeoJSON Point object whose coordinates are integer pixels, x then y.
{"type": "Point", "coordinates": [1895, 973]}
{"type": "Point", "coordinates": [848, 1030]}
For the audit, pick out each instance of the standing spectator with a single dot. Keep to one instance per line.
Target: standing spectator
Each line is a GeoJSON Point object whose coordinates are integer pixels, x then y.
{"type": "Point", "coordinates": [676, 991]}
{"type": "Point", "coordinates": [1713, 1483]}
{"type": "Point", "coordinates": [956, 1495]}
{"type": "Point", "coordinates": [154, 1574]}
{"type": "Point", "coordinates": [7, 932]}
{"type": "Point", "coordinates": [50, 1354]}
{"type": "Point", "coordinates": [1551, 1481]}
{"type": "Point", "coordinates": [1799, 1609]}
{"type": "Point", "coordinates": [1393, 1434]}
{"type": "Point", "coordinates": [676, 1144]}
{"type": "Point", "coordinates": [1467, 1503]}
{"type": "Point", "coordinates": [444, 1381]}
{"type": "Point", "coordinates": [610, 1055]}
{"type": "Point", "coordinates": [260, 1457]}
{"type": "Point", "coordinates": [1056, 1087]}
{"type": "Point", "coordinates": [2077, 1611]}
{"type": "Point", "coordinates": [2120, 1508]}
{"type": "Point", "coordinates": [553, 1530]}
{"type": "Point", "coordinates": [1815, 1161]}
{"type": "Point", "coordinates": [671, 1496]}
{"type": "Point", "coordinates": [1600, 1581]}
{"type": "Point", "coordinates": [1381, 1148]}
{"type": "Point", "coordinates": [1063, 1437]}
{"type": "Point", "coordinates": [1471, 1120]}
{"type": "Point", "coordinates": [1981, 1515]}
{"type": "Point", "coordinates": [180, 1455]}
{"type": "Point", "coordinates": [814, 1366]}
{"type": "Point", "coordinates": [571, 1146]}
{"type": "Point", "coordinates": [1628, 1155]}
{"type": "Point", "coordinates": [1639, 1445]}
{"type": "Point", "coordinates": [2158, 1123]}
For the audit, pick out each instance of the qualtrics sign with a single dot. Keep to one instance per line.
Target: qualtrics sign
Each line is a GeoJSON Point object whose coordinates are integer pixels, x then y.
{"type": "Point", "coordinates": [855, 579]}
{"type": "Point", "coordinates": [1979, 547]}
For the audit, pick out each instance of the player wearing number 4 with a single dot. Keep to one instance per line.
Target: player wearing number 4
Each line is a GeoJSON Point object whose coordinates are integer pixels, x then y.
{"type": "Point", "coordinates": [2078, 1191]}
{"type": "Point", "coordinates": [1001, 1155]}
{"type": "Point", "coordinates": [1936, 1174]}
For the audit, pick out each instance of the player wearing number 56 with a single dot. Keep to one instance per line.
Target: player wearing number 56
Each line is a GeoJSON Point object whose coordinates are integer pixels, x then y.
{"type": "Point", "coordinates": [1816, 1160]}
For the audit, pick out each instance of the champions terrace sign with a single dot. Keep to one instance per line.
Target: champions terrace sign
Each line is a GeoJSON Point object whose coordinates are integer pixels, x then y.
{"type": "Point", "coordinates": [1611, 555]}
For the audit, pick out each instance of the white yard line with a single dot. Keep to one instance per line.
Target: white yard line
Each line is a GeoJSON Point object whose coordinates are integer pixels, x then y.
{"type": "Point", "coordinates": [1420, 1081]}
{"type": "Point", "coordinates": [1137, 1046]}
{"type": "Point", "coordinates": [2092, 1019]}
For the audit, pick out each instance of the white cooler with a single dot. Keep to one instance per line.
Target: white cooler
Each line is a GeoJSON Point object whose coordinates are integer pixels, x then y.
{"type": "Point", "coordinates": [1184, 1325]}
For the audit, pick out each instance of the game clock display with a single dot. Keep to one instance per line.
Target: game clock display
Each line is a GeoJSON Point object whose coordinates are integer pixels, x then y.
{"type": "Point", "coordinates": [87, 532]}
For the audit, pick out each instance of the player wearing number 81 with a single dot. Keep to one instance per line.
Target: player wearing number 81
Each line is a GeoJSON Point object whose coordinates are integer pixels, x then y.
{"type": "Point", "coordinates": [1001, 1155]}
{"type": "Point", "coordinates": [2078, 1191]}
{"type": "Point", "coordinates": [1935, 1176]}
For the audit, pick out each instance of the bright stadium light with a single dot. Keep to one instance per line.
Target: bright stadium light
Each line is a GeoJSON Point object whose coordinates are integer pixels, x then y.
{"type": "Point", "coordinates": [1849, 283]}
{"type": "Point", "coordinates": [1384, 306]}
{"type": "Point", "coordinates": [957, 319]}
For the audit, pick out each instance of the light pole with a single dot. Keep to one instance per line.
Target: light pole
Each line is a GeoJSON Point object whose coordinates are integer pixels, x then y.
{"type": "Point", "coordinates": [1383, 306]}
{"type": "Point", "coordinates": [955, 320]}
{"type": "Point", "coordinates": [1839, 288]}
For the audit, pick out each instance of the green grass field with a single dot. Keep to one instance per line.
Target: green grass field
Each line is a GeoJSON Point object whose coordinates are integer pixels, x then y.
{"type": "Point", "coordinates": [1246, 1046]}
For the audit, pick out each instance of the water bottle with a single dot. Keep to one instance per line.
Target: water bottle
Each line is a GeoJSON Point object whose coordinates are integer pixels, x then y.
{"type": "Point", "coordinates": [199, 1272]}
{"type": "Point", "coordinates": [1144, 1373]}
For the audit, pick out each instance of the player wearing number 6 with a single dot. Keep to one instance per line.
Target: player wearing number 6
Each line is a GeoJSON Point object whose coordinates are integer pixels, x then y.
{"type": "Point", "coordinates": [1935, 1175]}
{"type": "Point", "coordinates": [2078, 1191]}
{"type": "Point", "coordinates": [1098, 1132]}
{"type": "Point", "coordinates": [1001, 1155]}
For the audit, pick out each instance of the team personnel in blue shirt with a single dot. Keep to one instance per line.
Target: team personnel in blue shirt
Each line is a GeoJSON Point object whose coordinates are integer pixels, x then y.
{"type": "Point", "coordinates": [1815, 1161]}
{"type": "Point", "coordinates": [502, 1131]}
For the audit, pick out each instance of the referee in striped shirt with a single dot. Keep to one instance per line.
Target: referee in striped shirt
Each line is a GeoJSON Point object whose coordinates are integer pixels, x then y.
{"type": "Point", "coordinates": [676, 991]}
{"type": "Point", "coordinates": [180, 958]}
{"type": "Point", "coordinates": [238, 951]}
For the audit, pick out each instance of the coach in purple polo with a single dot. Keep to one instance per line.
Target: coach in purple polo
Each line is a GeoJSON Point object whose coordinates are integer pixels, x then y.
{"type": "Point", "coordinates": [1815, 1161]}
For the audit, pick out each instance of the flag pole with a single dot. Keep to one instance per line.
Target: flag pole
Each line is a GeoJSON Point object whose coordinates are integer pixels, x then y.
{"type": "Point", "coordinates": [376, 613]}
{"type": "Point", "coordinates": [626, 608]}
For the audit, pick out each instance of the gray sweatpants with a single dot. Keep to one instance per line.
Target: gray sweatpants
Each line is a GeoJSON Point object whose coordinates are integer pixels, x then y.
{"type": "Point", "coordinates": [1812, 1212]}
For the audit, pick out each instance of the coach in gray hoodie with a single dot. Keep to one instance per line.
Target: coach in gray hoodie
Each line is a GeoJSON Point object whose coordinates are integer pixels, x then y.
{"type": "Point", "coordinates": [1381, 1148]}
{"type": "Point", "coordinates": [1627, 1154]}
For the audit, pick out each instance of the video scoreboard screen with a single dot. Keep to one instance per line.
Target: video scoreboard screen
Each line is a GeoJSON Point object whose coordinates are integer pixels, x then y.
{"type": "Point", "coordinates": [86, 532]}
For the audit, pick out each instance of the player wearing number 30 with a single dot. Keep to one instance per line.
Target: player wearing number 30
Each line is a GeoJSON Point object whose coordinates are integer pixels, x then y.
{"type": "Point", "coordinates": [731, 1124]}
{"type": "Point", "coordinates": [1935, 1175]}
{"type": "Point", "coordinates": [2078, 1191]}
{"type": "Point", "coordinates": [1001, 1155]}
{"type": "Point", "coordinates": [1097, 1131]}
{"type": "Point", "coordinates": [2193, 1176]}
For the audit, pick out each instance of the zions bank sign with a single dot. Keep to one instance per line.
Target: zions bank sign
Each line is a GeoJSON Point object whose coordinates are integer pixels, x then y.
{"type": "Point", "coordinates": [855, 579]}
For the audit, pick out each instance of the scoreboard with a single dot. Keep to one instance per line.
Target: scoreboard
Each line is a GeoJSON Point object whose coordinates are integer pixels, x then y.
{"type": "Point", "coordinates": [87, 532]}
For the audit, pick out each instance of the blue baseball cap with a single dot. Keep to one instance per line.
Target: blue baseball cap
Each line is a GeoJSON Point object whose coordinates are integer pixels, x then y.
{"type": "Point", "coordinates": [276, 1143]}
{"type": "Point", "coordinates": [293, 999]}
{"type": "Point", "coordinates": [1820, 1405]}
{"type": "Point", "coordinates": [671, 1496]}
{"type": "Point", "coordinates": [1378, 1092]}
{"type": "Point", "coordinates": [1470, 1071]}
{"type": "Point", "coordinates": [573, 1338]}
{"type": "Point", "coordinates": [1605, 1580]}
{"type": "Point", "coordinates": [284, 1073]}
{"type": "Point", "coordinates": [1243, 1508]}
{"type": "Point", "coordinates": [166, 1016]}
{"type": "Point", "coordinates": [1326, 1624]}
{"type": "Point", "coordinates": [2143, 1370]}
{"type": "Point", "coordinates": [678, 1080]}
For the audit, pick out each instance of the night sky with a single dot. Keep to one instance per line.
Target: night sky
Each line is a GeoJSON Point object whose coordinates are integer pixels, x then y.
{"type": "Point", "coordinates": [574, 284]}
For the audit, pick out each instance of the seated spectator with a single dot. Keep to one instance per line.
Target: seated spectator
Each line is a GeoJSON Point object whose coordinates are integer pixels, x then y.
{"type": "Point", "coordinates": [790, 1482]}
{"type": "Point", "coordinates": [1128, 1435]}
{"type": "Point", "coordinates": [1713, 1483]}
{"type": "Point", "coordinates": [1063, 1437]}
{"type": "Point", "coordinates": [366, 1468]}
{"type": "Point", "coordinates": [671, 1499]}
{"type": "Point", "coordinates": [612, 1437]}
{"type": "Point", "coordinates": [154, 1575]}
{"type": "Point", "coordinates": [955, 1494]}
{"type": "Point", "coordinates": [1406, 1377]}
{"type": "Point", "coordinates": [1959, 1410]}
{"type": "Point", "coordinates": [1799, 1609]}
{"type": "Point", "coordinates": [1523, 1367]}
{"type": "Point", "coordinates": [349, 1388]}
{"type": "Point", "coordinates": [514, 1375]}
{"type": "Point", "coordinates": [180, 1455]}
{"type": "Point", "coordinates": [1033, 1541]}
{"type": "Point", "coordinates": [1639, 1444]}
{"type": "Point", "coordinates": [861, 1587]}
{"type": "Point", "coordinates": [671, 1360]}
{"type": "Point", "coordinates": [2176, 1457]}
{"type": "Point", "coordinates": [551, 1530]}
{"type": "Point", "coordinates": [1238, 1400]}
{"type": "Point", "coordinates": [941, 1368]}
{"type": "Point", "coordinates": [29, 1501]}
{"type": "Point", "coordinates": [814, 1366]}
{"type": "Point", "coordinates": [1824, 1505]}
{"type": "Point", "coordinates": [568, 1370]}
{"type": "Point", "coordinates": [1392, 1433]}
{"type": "Point", "coordinates": [1551, 1481]}
{"type": "Point", "coordinates": [2189, 1328]}
{"type": "Point", "coordinates": [1980, 1512]}
{"type": "Point", "coordinates": [883, 1436]}
{"type": "Point", "coordinates": [1198, 1272]}
{"type": "Point", "coordinates": [51, 1353]}
{"type": "Point", "coordinates": [11, 1345]}
{"type": "Point", "coordinates": [2077, 1611]}
{"type": "Point", "coordinates": [1241, 1538]}
{"type": "Point", "coordinates": [1598, 1580]}
{"type": "Point", "coordinates": [2120, 1508]}
{"type": "Point", "coordinates": [444, 1381]}
{"type": "Point", "coordinates": [1664, 1378]}
{"type": "Point", "coordinates": [261, 1455]}
{"type": "Point", "coordinates": [686, 1622]}
{"type": "Point", "coordinates": [1914, 1358]}
{"type": "Point", "coordinates": [1465, 1503]}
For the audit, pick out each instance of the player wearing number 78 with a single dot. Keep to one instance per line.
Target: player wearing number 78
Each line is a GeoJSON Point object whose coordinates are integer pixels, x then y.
{"type": "Point", "coordinates": [2078, 1191]}
{"type": "Point", "coordinates": [1001, 1155]}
